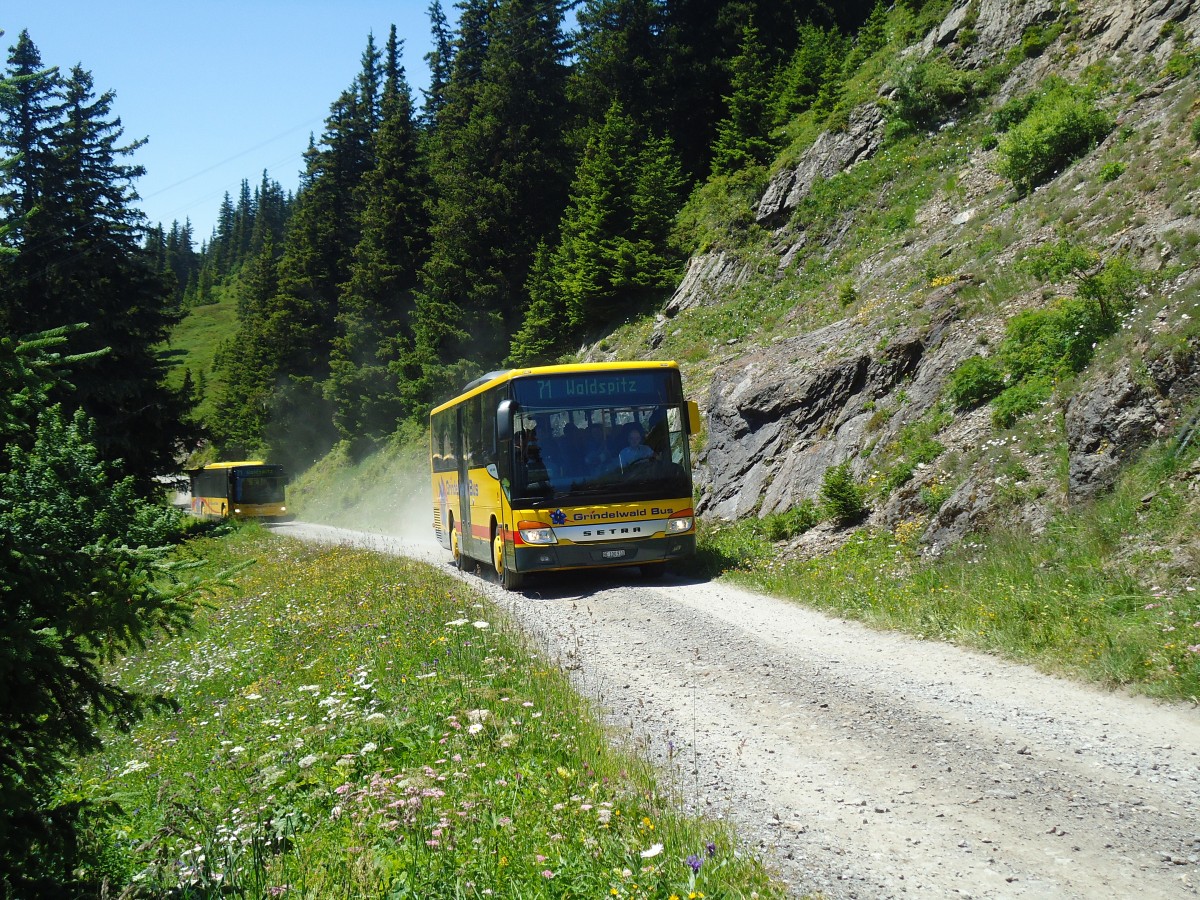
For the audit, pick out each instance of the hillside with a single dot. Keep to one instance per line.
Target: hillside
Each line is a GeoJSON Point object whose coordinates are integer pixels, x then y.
{"type": "Point", "coordinates": [979, 292]}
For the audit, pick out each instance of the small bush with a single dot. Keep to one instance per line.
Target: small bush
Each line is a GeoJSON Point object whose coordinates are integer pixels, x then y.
{"type": "Point", "coordinates": [1021, 399]}
{"type": "Point", "coordinates": [1037, 38]}
{"type": "Point", "coordinates": [927, 90]}
{"type": "Point", "coordinates": [786, 525]}
{"type": "Point", "coordinates": [1111, 171]}
{"type": "Point", "coordinates": [1057, 262]}
{"type": "Point", "coordinates": [841, 496]}
{"type": "Point", "coordinates": [1196, 130]}
{"type": "Point", "coordinates": [1114, 289]}
{"type": "Point", "coordinates": [1055, 341]}
{"type": "Point", "coordinates": [1012, 112]}
{"type": "Point", "coordinates": [976, 381]}
{"type": "Point", "coordinates": [1061, 126]}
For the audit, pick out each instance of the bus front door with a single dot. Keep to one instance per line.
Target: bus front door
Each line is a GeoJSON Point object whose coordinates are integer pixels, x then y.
{"type": "Point", "coordinates": [466, 539]}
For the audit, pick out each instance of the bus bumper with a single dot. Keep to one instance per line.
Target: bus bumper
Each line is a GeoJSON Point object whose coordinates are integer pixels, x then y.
{"type": "Point", "coordinates": [544, 558]}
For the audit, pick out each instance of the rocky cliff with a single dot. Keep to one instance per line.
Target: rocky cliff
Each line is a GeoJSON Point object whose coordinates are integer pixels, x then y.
{"type": "Point", "coordinates": [862, 327]}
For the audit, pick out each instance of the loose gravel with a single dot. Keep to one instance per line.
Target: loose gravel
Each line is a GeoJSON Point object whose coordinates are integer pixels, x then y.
{"type": "Point", "coordinates": [867, 764]}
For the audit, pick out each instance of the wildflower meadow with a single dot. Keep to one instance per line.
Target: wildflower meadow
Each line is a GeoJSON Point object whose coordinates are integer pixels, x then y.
{"type": "Point", "coordinates": [352, 725]}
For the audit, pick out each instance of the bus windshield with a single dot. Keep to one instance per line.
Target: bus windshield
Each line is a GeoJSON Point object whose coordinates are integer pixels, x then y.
{"type": "Point", "coordinates": [618, 435]}
{"type": "Point", "coordinates": [262, 485]}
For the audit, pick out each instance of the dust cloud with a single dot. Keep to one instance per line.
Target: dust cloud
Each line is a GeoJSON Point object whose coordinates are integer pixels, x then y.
{"type": "Point", "coordinates": [389, 497]}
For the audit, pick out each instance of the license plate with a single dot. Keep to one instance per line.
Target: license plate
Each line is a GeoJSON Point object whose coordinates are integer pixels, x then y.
{"type": "Point", "coordinates": [612, 554]}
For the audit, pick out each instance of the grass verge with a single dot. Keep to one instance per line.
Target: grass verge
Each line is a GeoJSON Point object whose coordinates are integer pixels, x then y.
{"type": "Point", "coordinates": [352, 725]}
{"type": "Point", "coordinates": [1080, 599]}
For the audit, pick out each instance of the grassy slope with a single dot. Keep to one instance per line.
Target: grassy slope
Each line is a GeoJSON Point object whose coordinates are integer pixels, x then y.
{"type": "Point", "coordinates": [356, 726]}
{"type": "Point", "coordinates": [194, 345]}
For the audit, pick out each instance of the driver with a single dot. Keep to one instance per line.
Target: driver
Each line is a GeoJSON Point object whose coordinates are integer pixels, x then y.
{"type": "Point", "coordinates": [635, 449]}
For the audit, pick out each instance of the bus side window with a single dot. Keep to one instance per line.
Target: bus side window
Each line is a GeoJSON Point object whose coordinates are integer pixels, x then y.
{"type": "Point", "coordinates": [677, 436]}
{"type": "Point", "coordinates": [487, 426]}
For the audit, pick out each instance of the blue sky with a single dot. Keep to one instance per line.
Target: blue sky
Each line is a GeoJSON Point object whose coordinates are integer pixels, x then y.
{"type": "Point", "coordinates": [222, 88]}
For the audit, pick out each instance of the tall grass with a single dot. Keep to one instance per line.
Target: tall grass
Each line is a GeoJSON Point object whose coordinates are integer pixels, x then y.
{"type": "Point", "coordinates": [352, 725]}
{"type": "Point", "coordinates": [1077, 599]}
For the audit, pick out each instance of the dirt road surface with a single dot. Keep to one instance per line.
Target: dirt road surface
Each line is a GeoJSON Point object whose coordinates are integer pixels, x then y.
{"type": "Point", "coordinates": [865, 764]}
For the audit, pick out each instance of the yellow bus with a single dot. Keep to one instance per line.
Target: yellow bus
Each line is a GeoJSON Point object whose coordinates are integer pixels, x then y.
{"type": "Point", "coordinates": [249, 489]}
{"type": "Point", "coordinates": [566, 467]}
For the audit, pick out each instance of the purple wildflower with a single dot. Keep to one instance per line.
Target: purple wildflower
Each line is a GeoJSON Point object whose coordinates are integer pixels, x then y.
{"type": "Point", "coordinates": [711, 848]}
{"type": "Point", "coordinates": [695, 862]}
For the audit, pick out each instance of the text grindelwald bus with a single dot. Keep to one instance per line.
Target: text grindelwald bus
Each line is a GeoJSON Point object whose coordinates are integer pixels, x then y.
{"type": "Point", "coordinates": [566, 467]}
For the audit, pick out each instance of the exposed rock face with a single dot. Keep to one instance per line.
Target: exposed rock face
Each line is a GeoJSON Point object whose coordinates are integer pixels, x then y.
{"type": "Point", "coordinates": [1116, 415]}
{"type": "Point", "coordinates": [1129, 26]}
{"type": "Point", "coordinates": [709, 277]}
{"type": "Point", "coordinates": [1110, 420]}
{"type": "Point", "coordinates": [995, 27]}
{"type": "Point", "coordinates": [781, 416]}
{"type": "Point", "coordinates": [833, 152]}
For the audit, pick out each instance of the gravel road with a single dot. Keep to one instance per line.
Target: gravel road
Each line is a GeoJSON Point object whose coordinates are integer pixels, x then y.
{"type": "Point", "coordinates": [868, 764]}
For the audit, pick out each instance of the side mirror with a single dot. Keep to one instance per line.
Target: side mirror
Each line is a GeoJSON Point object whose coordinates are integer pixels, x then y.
{"type": "Point", "coordinates": [505, 413]}
{"type": "Point", "coordinates": [693, 411]}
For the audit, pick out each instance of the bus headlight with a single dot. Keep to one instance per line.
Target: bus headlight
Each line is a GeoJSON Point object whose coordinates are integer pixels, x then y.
{"type": "Point", "coordinates": [679, 524]}
{"type": "Point", "coordinates": [536, 533]}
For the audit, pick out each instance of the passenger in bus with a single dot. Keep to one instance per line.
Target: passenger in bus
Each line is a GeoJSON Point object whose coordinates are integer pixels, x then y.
{"type": "Point", "coordinates": [597, 455]}
{"type": "Point", "coordinates": [540, 452]}
{"type": "Point", "coordinates": [635, 449]}
{"type": "Point", "coordinates": [572, 446]}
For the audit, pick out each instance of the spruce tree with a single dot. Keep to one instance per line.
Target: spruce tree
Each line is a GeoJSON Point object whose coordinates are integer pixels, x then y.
{"type": "Point", "coordinates": [440, 61]}
{"type": "Point", "coordinates": [620, 58]}
{"type": "Point", "coordinates": [499, 167]}
{"type": "Point", "coordinates": [374, 340]}
{"type": "Point", "coordinates": [81, 259]}
{"type": "Point", "coordinates": [743, 136]}
{"type": "Point", "coordinates": [614, 251]}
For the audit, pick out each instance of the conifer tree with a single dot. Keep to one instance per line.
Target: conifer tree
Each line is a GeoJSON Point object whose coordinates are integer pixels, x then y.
{"type": "Point", "coordinates": [81, 259]}
{"type": "Point", "coordinates": [811, 72]}
{"type": "Point", "coordinates": [743, 136]}
{"type": "Point", "coordinates": [440, 61]}
{"type": "Point", "coordinates": [499, 168]}
{"type": "Point", "coordinates": [613, 251]}
{"type": "Point", "coordinates": [620, 58]}
{"type": "Point", "coordinates": [373, 334]}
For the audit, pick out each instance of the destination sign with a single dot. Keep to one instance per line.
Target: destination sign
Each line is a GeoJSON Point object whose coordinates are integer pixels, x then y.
{"type": "Point", "coordinates": [577, 390]}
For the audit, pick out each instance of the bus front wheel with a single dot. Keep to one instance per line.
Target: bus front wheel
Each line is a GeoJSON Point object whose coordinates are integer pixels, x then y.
{"type": "Point", "coordinates": [511, 580]}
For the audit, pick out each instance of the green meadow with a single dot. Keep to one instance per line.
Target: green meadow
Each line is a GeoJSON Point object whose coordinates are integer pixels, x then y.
{"type": "Point", "coordinates": [354, 725]}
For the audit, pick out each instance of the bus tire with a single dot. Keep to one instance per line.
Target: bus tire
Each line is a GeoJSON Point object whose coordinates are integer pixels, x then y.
{"type": "Point", "coordinates": [455, 546]}
{"type": "Point", "coordinates": [511, 580]}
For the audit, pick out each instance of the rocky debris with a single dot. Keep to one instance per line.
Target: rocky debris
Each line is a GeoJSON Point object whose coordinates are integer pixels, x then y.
{"type": "Point", "coordinates": [1129, 27]}
{"type": "Point", "coordinates": [831, 153]}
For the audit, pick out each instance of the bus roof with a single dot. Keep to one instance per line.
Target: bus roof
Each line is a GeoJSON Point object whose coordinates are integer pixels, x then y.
{"type": "Point", "coordinates": [229, 465]}
{"type": "Point", "coordinates": [479, 385]}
